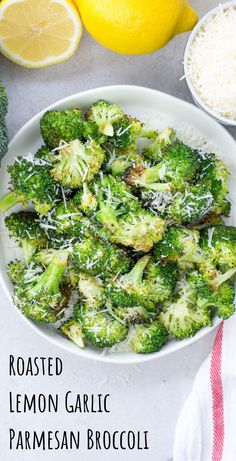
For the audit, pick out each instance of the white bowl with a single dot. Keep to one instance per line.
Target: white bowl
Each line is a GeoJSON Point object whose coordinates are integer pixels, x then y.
{"type": "Point", "coordinates": [197, 99]}
{"type": "Point", "coordinates": [157, 110]}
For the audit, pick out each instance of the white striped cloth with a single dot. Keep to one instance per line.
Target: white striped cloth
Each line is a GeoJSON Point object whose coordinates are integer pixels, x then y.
{"type": "Point", "coordinates": [206, 429]}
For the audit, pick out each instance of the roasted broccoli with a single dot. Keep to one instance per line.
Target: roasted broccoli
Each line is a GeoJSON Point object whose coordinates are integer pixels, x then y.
{"type": "Point", "coordinates": [95, 257]}
{"type": "Point", "coordinates": [100, 327]}
{"type": "Point", "coordinates": [214, 174]}
{"type": "Point", "coordinates": [76, 162]}
{"type": "Point", "coordinates": [16, 271]}
{"type": "Point", "coordinates": [130, 290]}
{"type": "Point", "coordinates": [91, 289]}
{"type": "Point", "coordinates": [104, 115]}
{"type": "Point", "coordinates": [179, 244]}
{"type": "Point", "coordinates": [3, 101]}
{"type": "Point", "coordinates": [179, 165]}
{"type": "Point", "coordinates": [156, 148]}
{"type": "Point", "coordinates": [132, 315]}
{"type": "Point", "coordinates": [56, 126]}
{"type": "Point", "coordinates": [192, 205]}
{"type": "Point", "coordinates": [31, 181]}
{"type": "Point", "coordinates": [3, 128]}
{"type": "Point", "coordinates": [160, 280]}
{"type": "Point", "coordinates": [39, 294]}
{"type": "Point", "coordinates": [127, 131]}
{"type": "Point", "coordinates": [72, 330]}
{"type": "Point", "coordinates": [25, 227]}
{"type": "Point", "coordinates": [219, 246]}
{"type": "Point", "coordinates": [148, 338]}
{"type": "Point", "coordinates": [44, 153]}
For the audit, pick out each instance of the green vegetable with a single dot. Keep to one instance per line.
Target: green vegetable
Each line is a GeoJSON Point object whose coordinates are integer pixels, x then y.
{"type": "Point", "coordinates": [56, 126]}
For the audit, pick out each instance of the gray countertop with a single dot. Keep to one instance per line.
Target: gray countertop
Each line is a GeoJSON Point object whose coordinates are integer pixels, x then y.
{"type": "Point", "coordinates": [148, 397]}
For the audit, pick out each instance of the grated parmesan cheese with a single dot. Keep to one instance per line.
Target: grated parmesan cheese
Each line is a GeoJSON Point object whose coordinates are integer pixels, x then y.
{"type": "Point", "coordinates": [212, 62]}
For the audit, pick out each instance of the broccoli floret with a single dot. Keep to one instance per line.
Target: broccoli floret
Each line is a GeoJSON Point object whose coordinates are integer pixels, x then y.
{"type": "Point", "coordinates": [219, 246]}
{"type": "Point", "coordinates": [100, 328]}
{"type": "Point", "coordinates": [160, 280]}
{"type": "Point", "coordinates": [30, 182]}
{"type": "Point", "coordinates": [24, 227]}
{"type": "Point", "coordinates": [76, 162]}
{"type": "Point", "coordinates": [92, 289]}
{"type": "Point", "coordinates": [114, 194]}
{"type": "Point", "coordinates": [56, 126]}
{"type": "Point", "coordinates": [95, 257]}
{"type": "Point", "coordinates": [224, 300]}
{"type": "Point", "coordinates": [3, 138]}
{"type": "Point", "coordinates": [140, 230]}
{"type": "Point", "coordinates": [179, 244]}
{"type": "Point", "coordinates": [191, 206]}
{"type": "Point", "coordinates": [124, 159]}
{"type": "Point", "coordinates": [39, 294]}
{"type": "Point", "coordinates": [182, 318]}
{"type": "Point", "coordinates": [130, 290]}
{"type": "Point", "coordinates": [210, 220]}
{"type": "Point", "coordinates": [91, 131]}
{"type": "Point", "coordinates": [148, 338]}
{"type": "Point", "coordinates": [105, 115]}
{"type": "Point", "coordinates": [127, 131]}
{"type": "Point", "coordinates": [16, 270]}
{"type": "Point", "coordinates": [222, 297]}
{"type": "Point", "coordinates": [214, 174]}
{"type": "Point", "coordinates": [179, 165]}
{"type": "Point", "coordinates": [156, 148]}
{"type": "Point", "coordinates": [67, 220]}
{"type": "Point", "coordinates": [72, 330]}
{"type": "Point", "coordinates": [86, 200]}
{"type": "Point", "coordinates": [132, 315]}
{"type": "Point", "coordinates": [3, 101]}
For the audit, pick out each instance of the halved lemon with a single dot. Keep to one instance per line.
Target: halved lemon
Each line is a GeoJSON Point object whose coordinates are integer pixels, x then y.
{"type": "Point", "coordinates": [38, 33]}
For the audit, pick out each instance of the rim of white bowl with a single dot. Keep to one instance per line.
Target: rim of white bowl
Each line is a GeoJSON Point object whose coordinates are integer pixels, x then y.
{"type": "Point", "coordinates": [197, 99]}
{"type": "Point", "coordinates": [109, 358]}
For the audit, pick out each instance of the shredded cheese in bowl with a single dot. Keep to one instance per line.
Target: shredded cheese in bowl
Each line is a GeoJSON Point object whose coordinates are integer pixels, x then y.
{"type": "Point", "coordinates": [210, 63]}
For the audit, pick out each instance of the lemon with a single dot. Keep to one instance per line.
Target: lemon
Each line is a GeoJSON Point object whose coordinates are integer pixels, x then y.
{"type": "Point", "coordinates": [37, 33]}
{"type": "Point", "coordinates": [136, 26]}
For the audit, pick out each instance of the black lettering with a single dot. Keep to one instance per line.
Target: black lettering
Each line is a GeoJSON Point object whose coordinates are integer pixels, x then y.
{"type": "Point", "coordinates": [12, 436]}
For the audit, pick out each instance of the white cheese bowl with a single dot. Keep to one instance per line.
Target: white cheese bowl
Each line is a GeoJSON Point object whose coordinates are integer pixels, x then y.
{"type": "Point", "coordinates": [196, 97]}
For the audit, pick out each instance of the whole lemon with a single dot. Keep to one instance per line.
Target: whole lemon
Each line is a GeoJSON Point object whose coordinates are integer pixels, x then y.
{"type": "Point", "coordinates": [136, 26]}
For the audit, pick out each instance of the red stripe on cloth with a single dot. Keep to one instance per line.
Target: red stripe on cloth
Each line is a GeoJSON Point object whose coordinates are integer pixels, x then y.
{"type": "Point", "coordinates": [217, 397]}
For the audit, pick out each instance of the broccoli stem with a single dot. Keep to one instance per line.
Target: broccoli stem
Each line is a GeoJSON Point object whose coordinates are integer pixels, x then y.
{"type": "Point", "coordinates": [8, 201]}
{"type": "Point", "coordinates": [49, 281]}
{"type": "Point", "coordinates": [136, 274]}
{"type": "Point", "coordinates": [147, 134]}
{"type": "Point", "coordinates": [221, 278]}
{"type": "Point", "coordinates": [107, 215]}
{"type": "Point", "coordinates": [28, 250]}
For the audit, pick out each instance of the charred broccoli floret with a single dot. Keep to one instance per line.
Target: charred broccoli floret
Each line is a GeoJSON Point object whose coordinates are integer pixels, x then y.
{"type": "Point", "coordinates": [156, 148]}
{"type": "Point", "coordinates": [65, 125]}
{"type": "Point", "coordinates": [100, 327]}
{"type": "Point", "coordinates": [130, 290]}
{"type": "Point", "coordinates": [179, 244]}
{"type": "Point", "coordinates": [148, 338]}
{"type": "Point", "coordinates": [40, 295]}
{"type": "Point", "coordinates": [179, 165]}
{"type": "Point", "coordinates": [214, 174]}
{"type": "Point", "coordinates": [73, 331]}
{"type": "Point", "coordinates": [127, 131]}
{"type": "Point", "coordinates": [25, 227]}
{"type": "Point", "coordinates": [160, 280]}
{"type": "Point", "coordinates": [105, 115]}
{"type": "Point", "coordinates": [95, 257]}
{"type": "Point", "coordinates": [76, 162]}
{"type": "Point", "coordinates": [192, 205]}
{"type": "Point", "coordinates": [30, 182]}
{"type": "Point", "coordinates": [224, 300]}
